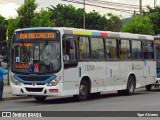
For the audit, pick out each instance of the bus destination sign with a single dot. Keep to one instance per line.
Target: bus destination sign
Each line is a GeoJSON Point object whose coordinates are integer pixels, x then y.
{"type": "Point", "coordinates": [45, 35]}
{"type": "Point", "coordinates": [157, 41]}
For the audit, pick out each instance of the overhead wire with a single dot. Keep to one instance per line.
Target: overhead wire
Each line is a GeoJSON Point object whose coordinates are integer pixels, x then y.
{"type": "Point", "coordinates": [10, 2]}
{"type": "Point", "coordinates": [111, 8]}
{"type": "Point", "coordinates": [115, 3]}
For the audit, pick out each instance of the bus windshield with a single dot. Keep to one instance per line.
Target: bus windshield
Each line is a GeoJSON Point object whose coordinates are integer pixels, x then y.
{"type": "Point", "coordinates": [36, 57]}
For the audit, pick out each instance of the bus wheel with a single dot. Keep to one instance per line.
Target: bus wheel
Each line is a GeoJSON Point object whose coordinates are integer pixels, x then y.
{"type": "Point", "coordinates": [40, 98]}
{"type": "Point", "coordinates": [83, 91]}
{"type": "Point", "coordinates": [130, 86]}
{"type": "Point", "coordinates": [148, 87]}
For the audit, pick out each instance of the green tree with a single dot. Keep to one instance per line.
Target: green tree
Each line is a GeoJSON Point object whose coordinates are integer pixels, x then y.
{"type": "Point", "coordinates": [95, 21]}
{"type": "Point", "coordinates": [66, 15]}
{"type": "Point", "coordinates": [154, 15]}
{"type": "Point", "coordinates": [138, 24]}
{"type": "Point", "coordinates": [26, 13]}
{"type": "Point", "coordinates": [69, 16]}
{"type": "Point", "coordinates": [12, 25]}
{"type": "Point", "coordinates": [42, 19]}
{"type": "Point", "coordinates": [114, 23]}
{"type": "Point", "coordinates": [3, 25]}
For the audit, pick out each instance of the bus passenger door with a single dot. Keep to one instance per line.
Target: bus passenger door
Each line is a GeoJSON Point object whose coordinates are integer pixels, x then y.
{"type": "Point", "coordinates": [113, 76]}
{"type": "Point", "coordinates": [113, 65]}
{"type": "Point", "coordinates": [71, 71]}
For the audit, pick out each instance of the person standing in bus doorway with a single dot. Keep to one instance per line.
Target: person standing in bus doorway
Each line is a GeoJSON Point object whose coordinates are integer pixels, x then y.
{"type": "Point", "coordinates": [65, 55]}
{"type": "Point", "coordinates": [2, 72]}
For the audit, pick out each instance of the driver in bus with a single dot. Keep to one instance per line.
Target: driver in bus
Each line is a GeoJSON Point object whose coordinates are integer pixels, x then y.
{"type": "Point", "coordinates": [65, 55]}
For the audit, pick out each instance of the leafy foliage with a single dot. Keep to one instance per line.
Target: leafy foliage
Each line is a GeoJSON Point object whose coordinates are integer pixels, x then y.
{"type": "Point", "coordinates": [138, 24]}
{"type": "Point", "coordinates": [66, 15]}
{"type": "Point", "coordinates": [42, 19]}
{"type": "Point", "coordinates": [95, 21]}
{"type": "Point", "coordinates": [154, 15]}
{"type": "Point", "coordinates": [69, 16]}
{"type": "Point", "coordinates": [12, 25]}
{"type": "Point", "coordinates": [3, 25]}
{"type": "Point", "coordinates": [26, 12]}
{"type": "Point", "coordinates": [114, 23]}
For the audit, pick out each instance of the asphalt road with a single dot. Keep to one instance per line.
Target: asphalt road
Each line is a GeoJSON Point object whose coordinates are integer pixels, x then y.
{"type": "Point", "coordinates": [109, 101]}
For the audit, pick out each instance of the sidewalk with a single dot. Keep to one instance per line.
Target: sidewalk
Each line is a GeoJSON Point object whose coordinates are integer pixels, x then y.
{"type": "Point", "coordinates": [7, 95]}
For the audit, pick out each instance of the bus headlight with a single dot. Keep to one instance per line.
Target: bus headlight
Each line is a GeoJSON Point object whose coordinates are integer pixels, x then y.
{"type": "Point", "coordinates": [55, 81]}
{"type": "Point", "coordinates": [14, 81]}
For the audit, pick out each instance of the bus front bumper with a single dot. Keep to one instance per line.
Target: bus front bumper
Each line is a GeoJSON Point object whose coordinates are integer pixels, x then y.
{"type": "Point", "coordinates": [37, 90]}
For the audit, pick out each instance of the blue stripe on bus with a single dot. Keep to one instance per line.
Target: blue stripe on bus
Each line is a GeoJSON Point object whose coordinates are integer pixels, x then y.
{"type": "Point", "coordinates": [31, 81]}
{"type": "Point", "coordinates": [96, 33]}
{"type": "Point", "coordinates": [149, 71]}
{"type": "Point", "coordinates": [80, 72]}
{"type": "Point", "coordinates": [110, 72]}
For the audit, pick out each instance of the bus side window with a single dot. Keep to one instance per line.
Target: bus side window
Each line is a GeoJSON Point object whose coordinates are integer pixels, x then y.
{"type": "Point", "coordinates": [111, 48]}
{"type": "Point", "coordinates": [97, 47]}
{"type": "Point", "coordinates": [148, 50]}
{"type": "Point", "coordinates": [83, 46]}
{"type": "Point", "coordinates": [72, 54]}
{"type": "Point", "coordinates": [125, 51]}
{"type": "Point", "coordinates": [69, 51]}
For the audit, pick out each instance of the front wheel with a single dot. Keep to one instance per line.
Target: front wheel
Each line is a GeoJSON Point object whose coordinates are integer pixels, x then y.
{"type": "Point", "coordinates": [83, 91]}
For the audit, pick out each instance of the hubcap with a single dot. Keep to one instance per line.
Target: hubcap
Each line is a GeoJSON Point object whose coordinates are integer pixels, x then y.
{"type": "Point", "coordinates": [131, 86]}
{"type": "Point", "coordinates": [83, 90]}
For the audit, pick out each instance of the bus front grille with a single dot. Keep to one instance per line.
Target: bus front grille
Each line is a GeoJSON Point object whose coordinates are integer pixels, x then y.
{"type": "Point", "coordinates": [34, 89]}
{"type": "Point", "coordinates": [35, 83]}
{"type": "Point", "coordinates": [34, 78]}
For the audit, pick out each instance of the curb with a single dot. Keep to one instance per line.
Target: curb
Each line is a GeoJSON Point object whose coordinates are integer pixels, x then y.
{"type": "Point", "coordinates": [16, 97]}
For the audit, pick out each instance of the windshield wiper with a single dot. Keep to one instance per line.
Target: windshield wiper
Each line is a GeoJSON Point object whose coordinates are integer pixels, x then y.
{"type": "Point", "coordinates": [43, 48]}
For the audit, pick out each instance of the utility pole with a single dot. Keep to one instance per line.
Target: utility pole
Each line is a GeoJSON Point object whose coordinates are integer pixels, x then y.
{"type": "Point", "coordinates": [140, 7]}
{"type": "Point", "coordinates": [84, 15]}
{"type": "Point", "coordinates": [155, 1]}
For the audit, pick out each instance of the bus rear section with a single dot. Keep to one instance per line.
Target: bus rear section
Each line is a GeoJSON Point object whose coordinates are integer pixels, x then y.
{"type": "Point", "coordinates": [157, 54]}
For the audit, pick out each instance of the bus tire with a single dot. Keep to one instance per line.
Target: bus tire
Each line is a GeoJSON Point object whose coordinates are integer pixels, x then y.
{"type": "Point", "coordinates": [148, 87]}
{"type": "Point", "coordinates": [83, 91]}
{"type": "Point", "coordinates": [130, 86]}
{"type": "Point", "coordinates": [40, 98]}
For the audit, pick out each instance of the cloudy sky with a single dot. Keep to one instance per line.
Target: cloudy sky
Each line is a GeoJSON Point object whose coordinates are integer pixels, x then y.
{"type": "Point", "coordinates": [8, 7]}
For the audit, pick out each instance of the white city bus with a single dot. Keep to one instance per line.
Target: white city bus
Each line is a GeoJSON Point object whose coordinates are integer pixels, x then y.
{"type": "Point", "coordinates": [97, 61]}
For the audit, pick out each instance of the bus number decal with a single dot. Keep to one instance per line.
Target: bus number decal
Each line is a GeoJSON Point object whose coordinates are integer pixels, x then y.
{"type": "Point", "coordinates": [137, 67]}
{"type": "Point", "coordinates": [90, 68]}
